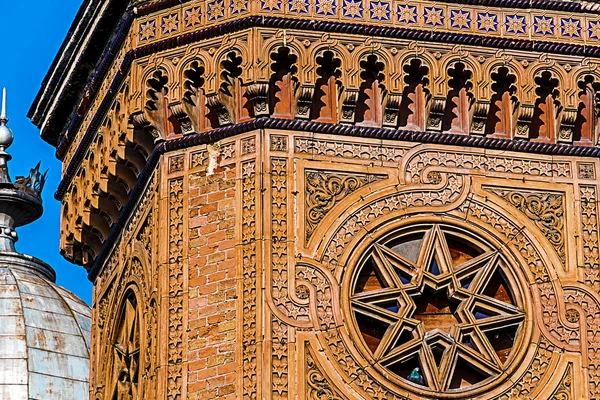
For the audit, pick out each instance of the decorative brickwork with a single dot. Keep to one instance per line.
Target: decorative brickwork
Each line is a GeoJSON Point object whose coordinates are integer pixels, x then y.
{"type": "Point", "coordinates": [357, 199]}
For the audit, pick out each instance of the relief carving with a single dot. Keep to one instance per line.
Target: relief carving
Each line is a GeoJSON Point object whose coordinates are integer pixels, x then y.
{"type": "Point", "coordinates": [538, 369]}
{"type": "Point", "coordinates": [416, 198]}
{"type": "Point", "coordinates": [176, 290]}
{"type": "Point", "coordinates": [317, 385]}
{"type": "Point", "coordinates": [565, 390]}
{"type": "Point", "coordinates": [546, 210]}
{"type": "Point", "coordinates": [182, 95]}
{"type": "Point", "coordinates": [591, 248]}
{"type": "Point", "coordinates": [324, 190]}
{"type": "Point", "coordinates": [249, 253]}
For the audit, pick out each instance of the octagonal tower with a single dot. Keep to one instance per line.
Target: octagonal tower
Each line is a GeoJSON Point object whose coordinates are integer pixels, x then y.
{"type": "Point", "coordinates": [349, 199]}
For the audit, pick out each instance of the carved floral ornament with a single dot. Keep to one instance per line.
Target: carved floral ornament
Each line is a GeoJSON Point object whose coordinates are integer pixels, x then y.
{"type": "Point", "coordinates": [438, 309]}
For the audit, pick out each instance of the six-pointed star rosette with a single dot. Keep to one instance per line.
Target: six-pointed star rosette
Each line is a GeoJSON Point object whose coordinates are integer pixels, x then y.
{"type": "Point", "coordinates": [437, 307]}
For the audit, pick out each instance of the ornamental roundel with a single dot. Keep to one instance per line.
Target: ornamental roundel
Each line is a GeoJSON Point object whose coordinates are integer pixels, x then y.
{"type": "Point", "coordinates": [438, 309]}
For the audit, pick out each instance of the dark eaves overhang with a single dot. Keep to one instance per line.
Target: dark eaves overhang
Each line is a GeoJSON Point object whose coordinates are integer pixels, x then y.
{"type": "Point", "coordinates": [93, 41]}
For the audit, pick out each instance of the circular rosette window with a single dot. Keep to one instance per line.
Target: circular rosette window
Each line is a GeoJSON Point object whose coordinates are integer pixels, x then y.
{"type": "Point", "coordinates": [438, 309]}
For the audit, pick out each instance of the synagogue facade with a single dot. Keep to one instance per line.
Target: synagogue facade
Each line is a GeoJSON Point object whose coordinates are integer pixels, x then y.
{"type": "Point", "coordinates": [333, 199]}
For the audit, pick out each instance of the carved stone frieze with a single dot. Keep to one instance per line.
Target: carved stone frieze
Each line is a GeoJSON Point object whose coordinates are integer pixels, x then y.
{"type": "Point", "coordinates": [317, 385]}
{"type": "Point", "coordinates": [176, 330]}
{"type": "Point", "coordinates": [340, 148]}
{"type": "Point", "coordinates": [546, 210]}
{"type": "Point", "coordinates": [250, 287]}
{"type": "Point", "coordinates": [325, 189]}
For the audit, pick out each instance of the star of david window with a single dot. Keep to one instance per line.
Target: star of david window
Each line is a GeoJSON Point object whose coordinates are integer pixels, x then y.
{"type": "Point", "coordinates": [126, 350]}
{"type": "Point", "coordinates": [437, 308]}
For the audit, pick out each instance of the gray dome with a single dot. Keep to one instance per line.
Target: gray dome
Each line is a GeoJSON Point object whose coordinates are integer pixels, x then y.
{"type": "Point", "coordinates": [44, 329]}
{"type": "Point", "coordinates": [44, 334]}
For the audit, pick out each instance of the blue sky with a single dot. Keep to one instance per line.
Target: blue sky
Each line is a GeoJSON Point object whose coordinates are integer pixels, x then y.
{"type": "Point", "coordinates": [32, 33]}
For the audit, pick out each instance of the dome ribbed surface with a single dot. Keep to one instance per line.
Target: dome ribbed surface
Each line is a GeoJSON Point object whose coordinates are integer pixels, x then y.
{"type": "Point", "coordinates": [44, 338]}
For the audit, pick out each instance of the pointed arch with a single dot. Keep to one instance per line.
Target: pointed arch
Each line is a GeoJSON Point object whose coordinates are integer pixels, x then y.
{"type": "Point", "coordinates": [544, 125]}
{"type": "Point", "coordinates": [587, 122]}
{"type": "Point", "coordinates": [501, 121]}
{"type": "Point", "coordinates": [125, 342]}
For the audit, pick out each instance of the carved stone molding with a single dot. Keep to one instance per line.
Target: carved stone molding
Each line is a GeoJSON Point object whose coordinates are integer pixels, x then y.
{"type": "Point", "coordinates": [259, 96]}
{"type": "Point", "coordinates": [317, 385]}
{"type": "Point", "coordinates": [326, 189]}
{"type": "Point", "coordinates": [176, 331]}
{"type": "Point", "coordinates": [565, 390]}
{"type": "Point", "coordinates": [591, 248]}
{"type": "Point", "coordinates": [546, 210]}
{"type": "Point", "coordinates": [249, 372]}
{"type": "Point", "coordinates": [480, 116]}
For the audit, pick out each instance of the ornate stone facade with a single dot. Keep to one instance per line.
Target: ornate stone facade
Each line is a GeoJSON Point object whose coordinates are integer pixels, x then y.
{"type": "Point", "coordinates": [344, 200]}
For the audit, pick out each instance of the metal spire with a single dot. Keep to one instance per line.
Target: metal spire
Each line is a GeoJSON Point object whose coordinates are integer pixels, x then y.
{"type": "Point", "coordinates": [6, 135]}
{"type": "Point", "coordinates": [20, 202]}
{"type": "Point", "coordinates": [6, 139]}
{"type": "Point", "coordinates": [3, 115]}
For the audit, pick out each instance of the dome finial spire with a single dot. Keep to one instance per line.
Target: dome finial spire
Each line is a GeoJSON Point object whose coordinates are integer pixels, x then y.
{"type": "Point", "coordinates": [3, 115]}
{"type": "Point", "coordinates": [6, 135]}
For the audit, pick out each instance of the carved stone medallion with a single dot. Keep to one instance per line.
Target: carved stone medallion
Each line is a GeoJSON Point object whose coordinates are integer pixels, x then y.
{"type": "Point", "coordinates": [437, 309]}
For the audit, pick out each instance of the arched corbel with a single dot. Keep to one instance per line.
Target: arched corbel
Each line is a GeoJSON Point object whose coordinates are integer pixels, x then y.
{"type": "Point", "coordinates": [392, 110]}
{"type": "Point", "coordinates": [304, 100]}
{"type": "Point", "coordinates": [568, 120]}
{"type": "Point", "coordinates": [215, 103]}
{"type": "Point", "coordinates": [435, 114]}
{"type": "Point", "coordinates": [480, 115]}
{"type": "Point", "coordinates": [258, 93]}
{"type": "Point", "coordinates": [140, 121]}
{"type": "Point", "coordinates": [348, 109]}
{"type": "Point", "coordinates": [179, 112]}
{"type": "Point", "coordinates": [524, 120]}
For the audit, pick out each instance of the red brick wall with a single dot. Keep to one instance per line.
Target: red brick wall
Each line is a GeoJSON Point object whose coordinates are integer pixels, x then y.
{"type": "Point", "coordinates": [212, 285]}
